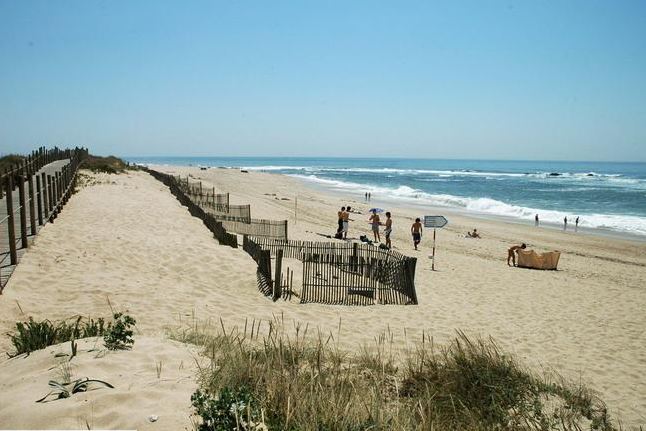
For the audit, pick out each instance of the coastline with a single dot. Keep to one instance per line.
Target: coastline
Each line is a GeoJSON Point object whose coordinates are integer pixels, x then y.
{"type": "Point", "coordinates": [126, 238]}
{"type": "Point", "coordinates": [476, 216]}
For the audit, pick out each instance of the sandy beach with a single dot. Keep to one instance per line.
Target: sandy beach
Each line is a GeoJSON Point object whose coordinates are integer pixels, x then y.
{"type": "Point", "coordinates": [124, 241]}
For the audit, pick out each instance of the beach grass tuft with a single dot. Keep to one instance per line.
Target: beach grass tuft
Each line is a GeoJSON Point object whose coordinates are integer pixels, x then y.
{"type": "Point", "coordinates": [301, 382]}
{"type": "Point", "coordinates": [34, 335]}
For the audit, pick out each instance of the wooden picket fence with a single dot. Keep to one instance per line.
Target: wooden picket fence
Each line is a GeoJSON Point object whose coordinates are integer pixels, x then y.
{"type": "Point", "coordinates": [34, 193]}
{"type": "Point", "coordinates": [335, 273]}
{"type": "Point", "coordinates": [235, 218]}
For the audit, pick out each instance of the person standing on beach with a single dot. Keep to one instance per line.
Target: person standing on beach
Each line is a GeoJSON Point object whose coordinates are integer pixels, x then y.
{"type": "Point", "coordinates": [369, 197]}
{"type": "Point", "coordinates": [511, 253]}
{"type": "Point", "coordinates": [346, 222]}
{"type": "Point", "coordinates": [374, 221]}
{"type": "Point", "coordinates": [565, 223]}
{"type": "Point", "coordinates": [576, 224]}
{"type": "Point", "coordinates": [366, 197]}
{"type": "Point", "coordinates": [388, 230]}
{"type": "Point", "coordinates": [340, 221]}
{"type": "Point", "coordinates": [536, 220]}
{"type": "Point", "coordinates": [416, 231]}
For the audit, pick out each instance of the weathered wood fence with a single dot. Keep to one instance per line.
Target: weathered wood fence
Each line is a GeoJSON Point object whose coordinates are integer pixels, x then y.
{"type": "Point", "coordinates": [219, 232]}
{"type": "Point", "coordinates": [336, 273]}
{"type": "Point", "coordinates": [235, 218]}
{"type": "Point", "coordinates": [42, 191]}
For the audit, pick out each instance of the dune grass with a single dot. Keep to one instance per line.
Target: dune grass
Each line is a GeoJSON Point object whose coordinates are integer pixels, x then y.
{"type": "Point", "coordinates": [34, 335]}
{"type": "Point", "coordinates": [299, 382]}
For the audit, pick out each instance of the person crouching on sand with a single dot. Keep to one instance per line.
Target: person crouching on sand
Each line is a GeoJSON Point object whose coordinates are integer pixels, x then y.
{"type": "Point", "coordinates": [416, 231]}
{"type": "Point", "coordinates": [374, 221]}
{"type": "Point", "coordinates": [511, 253]}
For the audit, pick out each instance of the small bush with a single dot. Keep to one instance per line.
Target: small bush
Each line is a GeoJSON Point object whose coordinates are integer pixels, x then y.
{"type": "Point", "coordinates": [119, 336]}
{"type": "Point", "coordinates": [10, 160]}
{"type": "Point", "coordinates": [230, 410]}
{"type": "Point", "coordinates": [108, 165]}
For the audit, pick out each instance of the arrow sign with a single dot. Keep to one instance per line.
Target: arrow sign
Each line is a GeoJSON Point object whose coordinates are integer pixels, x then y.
{"type": "Point", "coordinates": [435, 222]}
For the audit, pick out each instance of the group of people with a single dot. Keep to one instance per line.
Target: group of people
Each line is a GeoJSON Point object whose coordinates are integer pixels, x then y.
{"type": "Point", "coordinates": [375, 223]}
{"type": "Point", "coordinates": [416, 231]}
{"type": "Point", "coordinates": [576, 222]}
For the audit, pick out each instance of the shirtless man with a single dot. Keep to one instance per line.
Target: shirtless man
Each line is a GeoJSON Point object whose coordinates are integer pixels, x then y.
{"type": "Point", "coordinates": [374, 221]}
{"type": "Point", "coordinates": [416, 231]}
{"type": "Point", "coordinates": [346, 222]}
{"type": "Point", "coordinates": [389, 229]}
{"type": "Point", "coordinates": [511, 253]}
{"type": "Point", "coordinates": [340, 221]}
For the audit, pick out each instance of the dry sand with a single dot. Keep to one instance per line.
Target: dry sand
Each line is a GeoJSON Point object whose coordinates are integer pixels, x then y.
{"type": "Point", "coordinates": [127, 239]}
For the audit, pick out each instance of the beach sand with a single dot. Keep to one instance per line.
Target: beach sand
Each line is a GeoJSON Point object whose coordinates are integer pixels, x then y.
{"type": "Point", "coordinates": [126, 238]}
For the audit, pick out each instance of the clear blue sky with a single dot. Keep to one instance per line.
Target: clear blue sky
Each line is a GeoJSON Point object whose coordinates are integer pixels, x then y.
{"type": "Point", "coordinates": [482, 79]}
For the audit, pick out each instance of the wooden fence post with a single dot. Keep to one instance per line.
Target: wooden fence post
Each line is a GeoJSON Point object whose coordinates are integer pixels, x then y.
{"type": "Point", "coordinates": [39, 200]}
{"type": "Point", "coordinates": [10, 221]}
{"type": "Point", "coordinates": [44, 192]}
{"type": "Point", "coordinates": [57, 179]}
{"type": "Point", "coordinates": [278, 275]}
{"type": "Point", "coordinates": [50, 194]}
{"type": "Point", "coordinates": [32, 206]}
{"type": "Point", "coordinates": [355, 257]}
{"type": "Point", "coordinates": [23, 211]}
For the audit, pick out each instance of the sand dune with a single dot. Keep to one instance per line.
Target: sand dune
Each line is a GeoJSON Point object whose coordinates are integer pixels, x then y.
{"type": "Point", "coordinates": [127, 240]}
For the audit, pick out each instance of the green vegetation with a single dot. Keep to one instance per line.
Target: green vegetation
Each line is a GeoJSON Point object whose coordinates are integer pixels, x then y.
{"type": "Point", "coordinates": [296, 383]}
{"type": "Point", "coordinates": [8, 161]}
{"type": "Point", "coordinates": [119, 335]}
{"type": "Point", "coordinates": [109, 165]}
{"type": "Point", "coordinates": [33, 335]}
{"type": "Point", "coordinates": [67, 389]}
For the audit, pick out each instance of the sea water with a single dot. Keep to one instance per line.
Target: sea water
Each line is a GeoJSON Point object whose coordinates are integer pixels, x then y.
{"type": "Point", "coordinates": [605, 196]}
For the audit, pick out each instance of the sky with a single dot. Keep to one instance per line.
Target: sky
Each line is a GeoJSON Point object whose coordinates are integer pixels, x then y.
{"type": "Point", "coordinates": [525, 80]}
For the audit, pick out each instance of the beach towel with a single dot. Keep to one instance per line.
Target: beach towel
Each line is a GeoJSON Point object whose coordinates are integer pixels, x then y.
{"type": "Point", "coordinates": [531, 259]}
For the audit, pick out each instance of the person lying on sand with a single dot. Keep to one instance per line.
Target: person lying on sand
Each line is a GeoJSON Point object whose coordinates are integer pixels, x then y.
{"type": "Point", "coordinates": [474, 234]}
{"type": "Point", "coordinates": [511, 253]}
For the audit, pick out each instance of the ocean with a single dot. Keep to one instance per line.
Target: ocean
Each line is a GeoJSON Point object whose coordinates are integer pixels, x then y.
{"type": "Point", "coordinates": [605, 196]}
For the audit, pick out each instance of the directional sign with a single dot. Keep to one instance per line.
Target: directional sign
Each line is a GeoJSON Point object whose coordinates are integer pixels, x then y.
{"type": "Point", "coordinates": [435, 221]}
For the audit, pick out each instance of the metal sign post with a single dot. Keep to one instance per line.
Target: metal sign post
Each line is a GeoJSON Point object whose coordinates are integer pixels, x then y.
{"type": "Point", "coordinates": [436, 222]}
